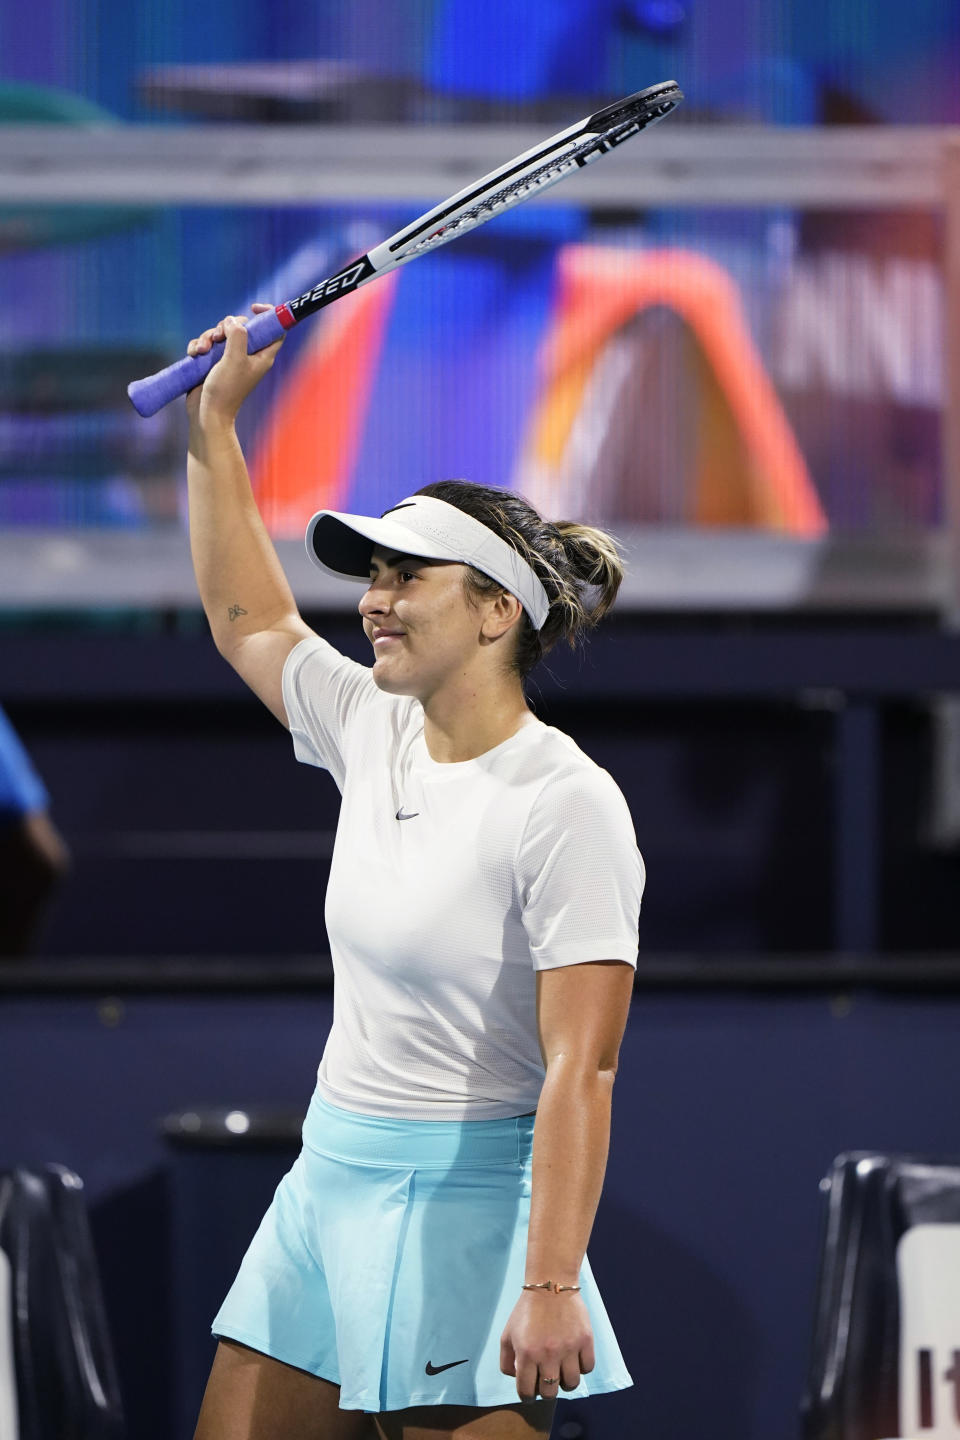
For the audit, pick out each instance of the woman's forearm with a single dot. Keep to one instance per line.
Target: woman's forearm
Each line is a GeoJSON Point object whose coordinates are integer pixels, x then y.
{"type": "Point", "coordinates": [571, 1139]}
{"type": "Point", "coordinates": [240, 579]}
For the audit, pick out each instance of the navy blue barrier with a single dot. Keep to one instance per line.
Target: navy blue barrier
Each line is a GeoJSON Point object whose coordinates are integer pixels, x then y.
{"type": "Point", "coordinates": [225, 1164]}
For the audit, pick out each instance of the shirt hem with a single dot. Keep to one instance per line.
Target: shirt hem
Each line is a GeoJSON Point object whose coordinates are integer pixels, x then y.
{"type": "Point", "coordinates": [598, 951]}
{"type": "Point", "coordinates": [506, 1110]}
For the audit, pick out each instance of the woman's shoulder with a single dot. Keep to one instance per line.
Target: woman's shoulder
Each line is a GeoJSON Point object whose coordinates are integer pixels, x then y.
{"type": "Point", "coordinates": [575, 803]}
{"type": "Point", "coordinates": [565, 770]}
{"type": "Point", "coordinates": [562, 755]}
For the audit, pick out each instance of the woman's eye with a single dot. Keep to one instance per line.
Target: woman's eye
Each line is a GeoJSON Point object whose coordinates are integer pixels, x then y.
{"type": "Point", "coordinates": [403, 574]}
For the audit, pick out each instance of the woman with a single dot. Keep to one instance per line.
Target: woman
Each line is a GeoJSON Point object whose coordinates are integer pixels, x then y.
{"type": "Point", "coordinates": [422, 1268]}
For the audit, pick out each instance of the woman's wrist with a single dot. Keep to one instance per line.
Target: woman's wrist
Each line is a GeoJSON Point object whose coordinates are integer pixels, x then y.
{"type": "Point", "coordinates": [214, 421]}
{"type": "Point", "coordinates": [211, 437]}
{"type": "Point", "coordinates": [555, 1287]}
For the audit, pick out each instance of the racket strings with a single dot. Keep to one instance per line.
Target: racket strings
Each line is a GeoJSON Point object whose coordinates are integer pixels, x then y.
{"type": "Point", "coordinates": [582, 152]}
{"type": "Point", "coordinates": [494, 202]}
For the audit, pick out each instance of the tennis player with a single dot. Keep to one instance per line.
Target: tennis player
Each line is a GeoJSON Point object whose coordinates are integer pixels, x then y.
{"type": "Point", "coordinates": [422, 1269]}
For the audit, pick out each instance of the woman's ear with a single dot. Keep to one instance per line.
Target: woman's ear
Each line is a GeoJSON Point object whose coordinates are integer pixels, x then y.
{"type": "Point", "coordinates": [506, 612]}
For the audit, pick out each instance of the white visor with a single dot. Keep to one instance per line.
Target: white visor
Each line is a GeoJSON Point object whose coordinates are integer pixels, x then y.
{"type": "Point", "coordinates": [341, 544]}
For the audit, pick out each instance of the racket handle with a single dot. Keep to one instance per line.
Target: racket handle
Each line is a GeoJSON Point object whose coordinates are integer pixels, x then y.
{"type": "Point", "coordinates": [151, 394]}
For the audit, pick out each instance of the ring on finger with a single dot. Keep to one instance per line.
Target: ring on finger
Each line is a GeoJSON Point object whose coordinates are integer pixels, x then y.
{"type": "Point", "coordinates": [549, 1379]}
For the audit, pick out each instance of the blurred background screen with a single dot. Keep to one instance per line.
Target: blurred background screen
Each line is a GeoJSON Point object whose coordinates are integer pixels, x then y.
{"type": "Point", "coordinates": [773, 366]}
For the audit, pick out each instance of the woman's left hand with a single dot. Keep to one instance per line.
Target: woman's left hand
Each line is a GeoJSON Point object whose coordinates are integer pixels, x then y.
{"type": "Point", "coordinates": [546, 1343]}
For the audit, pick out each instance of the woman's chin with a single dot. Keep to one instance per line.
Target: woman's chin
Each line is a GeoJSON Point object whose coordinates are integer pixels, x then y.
{"type": "Point", "coordinates": [390, 684]}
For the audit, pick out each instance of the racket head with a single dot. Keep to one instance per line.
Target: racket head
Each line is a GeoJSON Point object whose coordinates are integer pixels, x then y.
{"type": "Point", "coordinates": [530, 173]}
{"type": "Point", "coordinates": [645, 107]}
{"type": "Point", "coordinates": [519, 179]}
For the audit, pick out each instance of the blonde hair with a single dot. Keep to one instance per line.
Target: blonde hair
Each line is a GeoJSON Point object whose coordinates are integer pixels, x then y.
{"type": "Point", "coordinates": [579, 566]}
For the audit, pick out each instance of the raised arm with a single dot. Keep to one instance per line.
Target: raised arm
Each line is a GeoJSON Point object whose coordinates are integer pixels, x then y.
{"type": "Point", "coordinates": [252, 613]}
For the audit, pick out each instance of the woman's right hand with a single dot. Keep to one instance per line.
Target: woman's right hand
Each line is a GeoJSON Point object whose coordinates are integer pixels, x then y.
{"type": "Point", "coordinates": [235, 374]}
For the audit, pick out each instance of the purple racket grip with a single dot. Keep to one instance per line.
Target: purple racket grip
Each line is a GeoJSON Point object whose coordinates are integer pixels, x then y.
{"type": "Point", "coordinates": [151, 394]}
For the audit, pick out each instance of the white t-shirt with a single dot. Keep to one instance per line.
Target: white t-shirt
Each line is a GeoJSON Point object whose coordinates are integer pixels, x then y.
{"type": "Point", "coordinates": [522, 859]}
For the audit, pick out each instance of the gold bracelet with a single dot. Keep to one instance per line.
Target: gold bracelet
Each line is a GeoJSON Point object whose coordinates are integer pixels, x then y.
{"type": "Point", "coordinates": [550, 1285]}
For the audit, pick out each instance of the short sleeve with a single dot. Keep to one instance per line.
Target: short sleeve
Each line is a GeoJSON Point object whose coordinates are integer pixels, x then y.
{"type": "Point", "coordinates": [323, 693]}
{"type": "Point", "coordinates": [581, 875]}
{"type": "Point", "coordinates": [21, 789]}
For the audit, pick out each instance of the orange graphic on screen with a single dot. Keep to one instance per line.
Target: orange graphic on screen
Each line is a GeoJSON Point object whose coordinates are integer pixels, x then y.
{"type": "Point", "coordinates": [655, 405]}
{"type": "Point", "coordinates": [305, 453]}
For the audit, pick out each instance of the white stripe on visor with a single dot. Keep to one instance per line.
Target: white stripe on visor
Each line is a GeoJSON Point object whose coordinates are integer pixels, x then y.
{"type": "Point", "coordinates": [423, 525]}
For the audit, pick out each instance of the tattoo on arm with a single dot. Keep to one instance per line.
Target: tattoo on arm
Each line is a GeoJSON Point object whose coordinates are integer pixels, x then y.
{"type": "Point", "coordinates": [235, 610]}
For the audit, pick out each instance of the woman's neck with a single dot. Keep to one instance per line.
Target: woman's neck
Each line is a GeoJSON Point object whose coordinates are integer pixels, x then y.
{"type": "Point", "coordinates": [469, 731]}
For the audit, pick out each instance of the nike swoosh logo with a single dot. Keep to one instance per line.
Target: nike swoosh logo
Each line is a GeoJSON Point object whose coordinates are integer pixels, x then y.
{"type": "Point", "coordinates": [435, 1369]}
{"type": "Point", "coordinates": [411, 816]}
{"type": "Point", "coordinates": [408, 506]}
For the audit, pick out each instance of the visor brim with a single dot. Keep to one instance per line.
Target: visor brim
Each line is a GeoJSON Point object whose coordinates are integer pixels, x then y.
{"type": "Point", "coordinates": [341, 544]}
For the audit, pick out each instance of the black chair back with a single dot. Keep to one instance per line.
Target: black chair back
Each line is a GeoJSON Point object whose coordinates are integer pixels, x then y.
{"type": "Point", "coordinates": [885, 1359]}
{"type": "Point", "coordinates": [66, 1381]}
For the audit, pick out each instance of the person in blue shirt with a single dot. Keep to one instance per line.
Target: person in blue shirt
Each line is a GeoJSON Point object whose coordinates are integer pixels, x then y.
{"type": "Point", "coordinates": [33, 855]}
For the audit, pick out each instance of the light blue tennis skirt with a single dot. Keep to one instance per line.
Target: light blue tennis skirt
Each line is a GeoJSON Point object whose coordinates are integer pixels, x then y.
{"type": "Point", "coordinates": [391, 1257]}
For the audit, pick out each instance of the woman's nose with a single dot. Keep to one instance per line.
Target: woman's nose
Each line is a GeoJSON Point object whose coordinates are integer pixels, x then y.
{"type": "Point", "coordinates": [370, 601]}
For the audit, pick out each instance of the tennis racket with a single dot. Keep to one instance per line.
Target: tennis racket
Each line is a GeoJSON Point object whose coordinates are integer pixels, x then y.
{"type": "Point", "coordinates": [529, 174]}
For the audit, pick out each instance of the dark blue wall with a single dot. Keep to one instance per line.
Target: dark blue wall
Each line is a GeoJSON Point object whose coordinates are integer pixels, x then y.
{"type": "Point", "coordinates": [733, 804]}
{"type": "Point", "coordinates": [728, 1110]}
